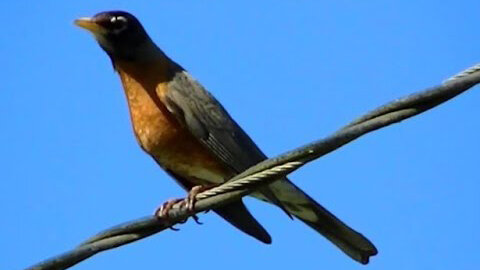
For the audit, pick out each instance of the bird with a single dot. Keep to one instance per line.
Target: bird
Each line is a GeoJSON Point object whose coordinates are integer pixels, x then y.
{"type": "Point", "coordinates": [190, 135]}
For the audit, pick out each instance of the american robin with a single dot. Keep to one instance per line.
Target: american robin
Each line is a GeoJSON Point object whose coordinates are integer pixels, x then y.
{"type": "Point", "coordinates": [192, 137]}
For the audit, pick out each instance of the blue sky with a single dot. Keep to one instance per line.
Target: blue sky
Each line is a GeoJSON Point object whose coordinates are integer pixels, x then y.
{"type": "Point", "coordinates": [290, 72]}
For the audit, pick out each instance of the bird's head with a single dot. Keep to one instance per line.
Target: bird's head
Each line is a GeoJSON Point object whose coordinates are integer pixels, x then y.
{"type": "Point", "coordinates": [119, 33]}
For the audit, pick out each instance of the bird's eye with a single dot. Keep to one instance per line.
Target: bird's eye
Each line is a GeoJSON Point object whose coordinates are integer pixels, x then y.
{"type": "Point", "coordinates": [118, 23]}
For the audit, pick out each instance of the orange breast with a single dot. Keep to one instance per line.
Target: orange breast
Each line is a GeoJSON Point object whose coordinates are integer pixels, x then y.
{"type": "Point", "coordinates": [158, 132]}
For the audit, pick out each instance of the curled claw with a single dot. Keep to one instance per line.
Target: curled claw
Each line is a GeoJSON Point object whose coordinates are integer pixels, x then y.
{"type": "Point", "coordinates": [191, 200]}
{"type": "Point", "coordinates": [197, 220]}
{"type": "Point", "coordinates": [174, 229]}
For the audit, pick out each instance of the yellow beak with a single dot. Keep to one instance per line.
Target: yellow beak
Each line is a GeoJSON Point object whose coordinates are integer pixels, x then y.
{"type": "Point", "coordinates": [90, 25]}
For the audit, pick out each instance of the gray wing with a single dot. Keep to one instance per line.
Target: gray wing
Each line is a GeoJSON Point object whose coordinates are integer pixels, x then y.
{"type": "Point", "coordinates": [209, 122]}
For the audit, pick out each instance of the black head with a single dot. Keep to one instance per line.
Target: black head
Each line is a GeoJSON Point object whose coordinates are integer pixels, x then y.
{"type": "Point", "coordinates": [119, 33]}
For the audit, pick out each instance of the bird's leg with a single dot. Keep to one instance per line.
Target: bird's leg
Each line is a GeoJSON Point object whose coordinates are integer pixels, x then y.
{"type": "Point", "coordinates": [192, 194]}
{"type": "Point", "coordinates": [190, 200]}
{"type": "Point", "coordinates": [162, 211]}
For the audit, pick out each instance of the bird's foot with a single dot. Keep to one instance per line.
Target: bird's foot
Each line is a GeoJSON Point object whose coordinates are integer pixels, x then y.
{"type": "Point", "coordinates": [188, 202]}
{"type": "Point", "coordinates": [162, 211]}
{"type": "Point", "coordinates": [191, 199]}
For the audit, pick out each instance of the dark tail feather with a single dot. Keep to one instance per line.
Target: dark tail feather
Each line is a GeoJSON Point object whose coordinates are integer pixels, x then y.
{"type": "Point", "coordinates": [302, 206]}
{"type": "Point", "coordinates": [348, 240]}
{"type": "Point", "coordinates": [238, 215]}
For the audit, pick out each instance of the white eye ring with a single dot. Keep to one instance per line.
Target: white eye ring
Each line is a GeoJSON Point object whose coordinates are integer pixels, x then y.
{"type": "Point", "coordinates": [118, 18]}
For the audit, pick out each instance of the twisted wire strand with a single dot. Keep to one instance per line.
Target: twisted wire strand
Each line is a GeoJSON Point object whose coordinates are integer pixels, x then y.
{"type": "Point", "coordinates": [466, 72]}
{"type": "Point", "coordinates": [250, 180]}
